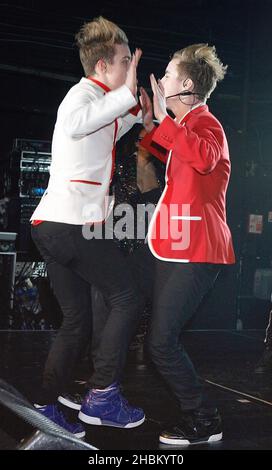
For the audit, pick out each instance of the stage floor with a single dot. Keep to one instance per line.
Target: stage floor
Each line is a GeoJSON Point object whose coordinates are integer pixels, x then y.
{"type": "Point", "coordinates": [225, 360]}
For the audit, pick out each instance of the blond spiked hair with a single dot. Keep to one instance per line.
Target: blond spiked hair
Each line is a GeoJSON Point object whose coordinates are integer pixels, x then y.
{"type": "Point", "coordinates": [200, 63]}
{"type": "Point", "coordinates": [96, 40]}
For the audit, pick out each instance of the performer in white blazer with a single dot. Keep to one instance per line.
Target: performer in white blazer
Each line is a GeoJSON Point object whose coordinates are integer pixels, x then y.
{"type": "Point", "coordinates": [93, 115]}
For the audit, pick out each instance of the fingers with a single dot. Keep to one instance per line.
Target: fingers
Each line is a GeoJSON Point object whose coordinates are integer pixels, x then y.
{"type": "Point", "coordinates": [133, 61]}
{"type": "Point", "coordinates": [153, 83]}
{"type": "Point", "coordinates": [135, 57]}
{"type": "Point", "coordinates": [143, 93]}
{"type": "Point", "coordinates": [144, 101]}
{"type": "Point", "coordinates": [142, 98]}
{"type": "Point", "coordinates": [138, 53]}
{"type": "Point", "coordinates": [161, 87]}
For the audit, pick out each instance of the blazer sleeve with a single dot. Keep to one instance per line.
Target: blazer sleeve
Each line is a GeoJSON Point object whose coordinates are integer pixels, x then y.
{"type": "Point", "coordinates": [133, 116]}
{"type": "Point", "coordinates": [201, 147]}
{"type": "Point", "coordinates": [155, 149]}
{"type": "Point", "coordinates": [83, 113]}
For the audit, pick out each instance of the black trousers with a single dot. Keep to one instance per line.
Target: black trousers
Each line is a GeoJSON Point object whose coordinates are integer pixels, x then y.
{"type": "Point", "coordinates": [178, 291]}
{"type": "Point", "coordinates": [74, 263]}
{"type": "Point", "coordinates": [141, 264]}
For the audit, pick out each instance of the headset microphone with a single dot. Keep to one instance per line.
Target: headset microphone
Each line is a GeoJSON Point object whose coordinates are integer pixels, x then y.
{"type": "Point", "coordinates": [184, 93]}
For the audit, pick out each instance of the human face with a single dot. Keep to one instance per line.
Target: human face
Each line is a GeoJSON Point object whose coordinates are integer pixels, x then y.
{"type": "Point", "coordinates": [142, 152]}
{"type": "Point", "coordinates": [116, 72]}
{"type": "Point", "coordinates": [139, 138]}
{"type": "Point", "coordinates": [171, 81]}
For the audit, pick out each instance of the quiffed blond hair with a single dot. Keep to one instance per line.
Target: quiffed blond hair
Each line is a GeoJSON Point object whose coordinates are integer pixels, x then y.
{"type": "Point", "coordinates": [96, 40]}
{"type": "Point", "coordinates": [200, 63]}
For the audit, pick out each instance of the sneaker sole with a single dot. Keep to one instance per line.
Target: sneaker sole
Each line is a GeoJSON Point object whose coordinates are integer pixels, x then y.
{"type": "Point", "coordinates": [69, 404]}
{"type": "Point", "coordinates": [79, 435]}
{"type": "Point", "coordinates": [99, 422]}
{"type": "Point", "coordinates": [183, 442]}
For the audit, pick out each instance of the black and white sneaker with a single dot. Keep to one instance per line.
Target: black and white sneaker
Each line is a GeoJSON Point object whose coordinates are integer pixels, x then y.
{"type": "Point", "coordinates": [195, 427]}
{"type": "Point", "coordinates": [71, 400]}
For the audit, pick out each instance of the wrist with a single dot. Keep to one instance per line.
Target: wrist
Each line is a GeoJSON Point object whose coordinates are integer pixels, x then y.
{"type": "Point", "coordinates": [161, 117]}
{"type": "Point", "coordinates": [149, 127]}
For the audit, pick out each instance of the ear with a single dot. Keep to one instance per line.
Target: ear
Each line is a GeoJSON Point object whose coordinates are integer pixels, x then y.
{"type": "Point", "coordinates": [100, 67]}
{"type": "Point", "coordinates": [188, 84]}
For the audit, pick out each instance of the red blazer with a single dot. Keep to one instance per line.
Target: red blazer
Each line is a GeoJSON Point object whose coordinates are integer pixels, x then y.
{"type": "Point", "coordinates": [189, 223]}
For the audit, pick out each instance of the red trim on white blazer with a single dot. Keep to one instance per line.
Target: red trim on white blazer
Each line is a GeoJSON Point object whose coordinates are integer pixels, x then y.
{"type": "Point", "coordinates": [133, 110]}
{"type": "Point", "coordinates": [102, 85]}
{"type": "Point", "coordinates": [113, 153]}
{"type": "Point", "coordinates": [86, 182]}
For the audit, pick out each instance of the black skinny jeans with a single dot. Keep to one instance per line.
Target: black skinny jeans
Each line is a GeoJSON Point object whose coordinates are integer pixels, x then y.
{"type": "Point", "coordinates": [74, 263]}
{"type": "Point", "coordinates": [178, 291]}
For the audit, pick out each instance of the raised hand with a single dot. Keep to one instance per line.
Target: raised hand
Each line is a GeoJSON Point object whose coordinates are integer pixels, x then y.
{"type": "Point", "coordinates": [159, 101]}
{"type": "Point", "coordinates": [131, 80]}
{"type": "Point", "coordinates": [147, 110]}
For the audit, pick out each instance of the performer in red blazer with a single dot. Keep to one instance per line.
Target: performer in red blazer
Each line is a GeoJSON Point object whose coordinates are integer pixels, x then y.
{"type": "Point", "coordinates": [188, 233]}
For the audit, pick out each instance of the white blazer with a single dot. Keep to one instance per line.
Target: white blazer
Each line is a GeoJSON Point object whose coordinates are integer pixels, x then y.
{"type": "Point", "coordinates": [89, 121]}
